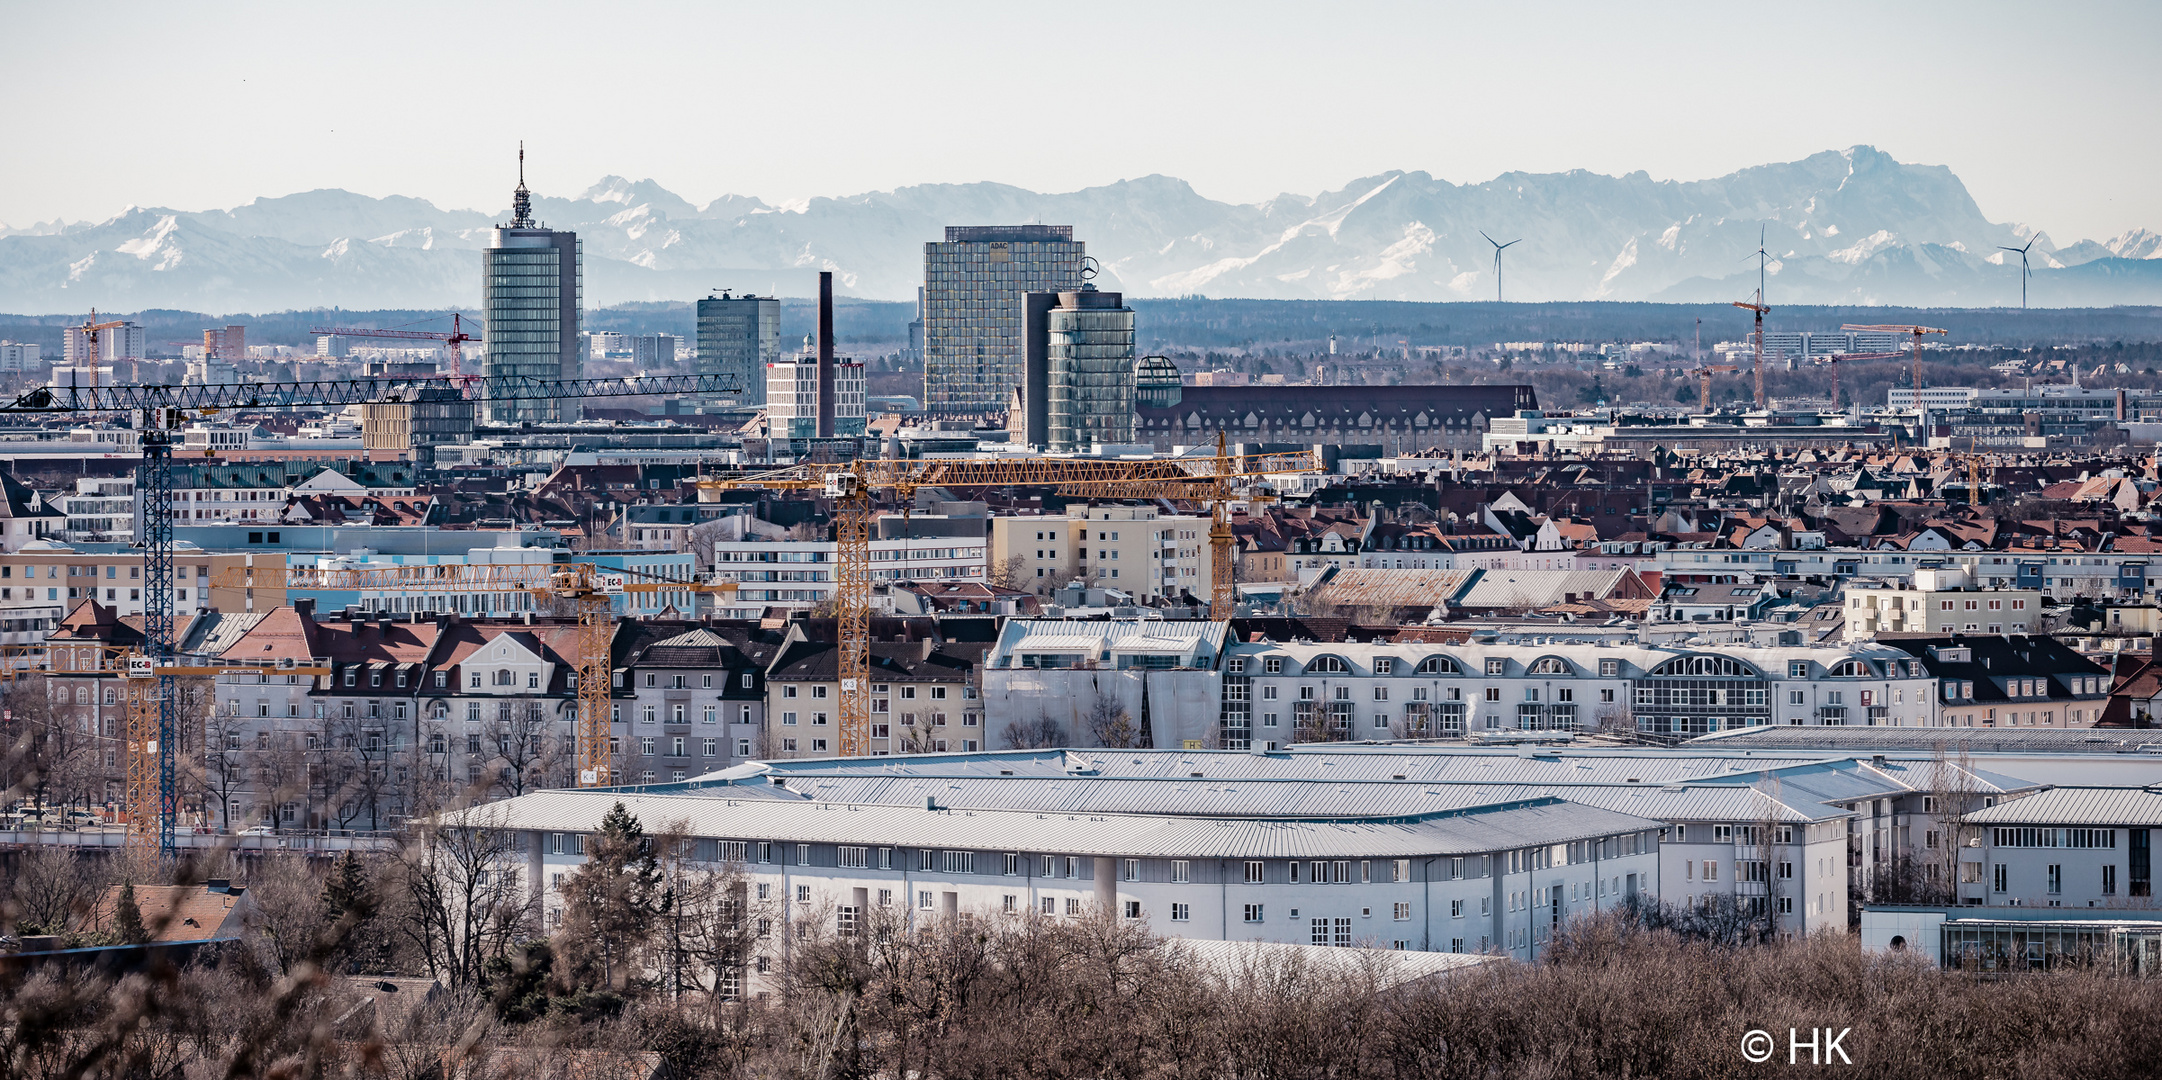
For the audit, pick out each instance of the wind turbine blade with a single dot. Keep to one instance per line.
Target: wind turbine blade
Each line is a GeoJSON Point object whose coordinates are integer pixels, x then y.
{"type": "Point", "coordinates": [1511, 243]}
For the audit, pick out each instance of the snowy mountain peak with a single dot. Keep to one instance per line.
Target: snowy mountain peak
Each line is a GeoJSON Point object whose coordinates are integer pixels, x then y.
{"type": "Point", "coordinates": [1852, 225]}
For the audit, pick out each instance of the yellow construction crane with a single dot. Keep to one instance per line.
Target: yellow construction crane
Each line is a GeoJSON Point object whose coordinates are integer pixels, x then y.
{"type": "Point", "coordinates": [851, 486]}
{"type": "Point", "coordinates": [1704, 384]}
{"type": "Point", "coordinates": [1760, 310]}
{"type": "Point", "coordinates": [1914, 377]}
{"type": "Point", "coordinates": [90, 329]}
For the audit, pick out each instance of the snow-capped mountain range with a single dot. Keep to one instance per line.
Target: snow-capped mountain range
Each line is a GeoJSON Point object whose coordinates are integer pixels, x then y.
{"type": "Point", "coordinates": [1844, 227]}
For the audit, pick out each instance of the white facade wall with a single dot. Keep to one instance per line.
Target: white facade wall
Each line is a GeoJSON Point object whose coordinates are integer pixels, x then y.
{"type": "Point", "coordinates": [1502, 901]}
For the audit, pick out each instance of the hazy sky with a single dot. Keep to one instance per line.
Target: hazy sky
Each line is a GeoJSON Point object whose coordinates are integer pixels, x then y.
{"type": "Point", "coordinates": [2047, 111]}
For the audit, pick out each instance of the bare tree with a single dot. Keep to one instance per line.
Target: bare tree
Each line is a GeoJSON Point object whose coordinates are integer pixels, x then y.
{"type": "Point", "coordinates": [224, 771]}
{"type": "Point", "coordinates": [1006, 572]}
{"type": "Point", "coordinates": [462, 903]}
{"type": "Point", "coordinates": [1110, 724]}
{"type": "Point", "coordinates": [528, 755]}
{"type": "Point", "coordinates": [50, 892]}
{"type": "Point", "coordinates": [1038, 733]}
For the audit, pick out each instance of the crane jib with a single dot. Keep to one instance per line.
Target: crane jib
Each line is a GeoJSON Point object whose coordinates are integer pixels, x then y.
{"type": "Point", "coordinates": [335, 392]}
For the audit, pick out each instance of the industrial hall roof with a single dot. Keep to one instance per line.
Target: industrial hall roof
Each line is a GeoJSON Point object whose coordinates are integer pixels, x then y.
{"type": "Point", "coordinates": [1949, 740]}
{"type": "Point", "coordinates": [1464, 832]}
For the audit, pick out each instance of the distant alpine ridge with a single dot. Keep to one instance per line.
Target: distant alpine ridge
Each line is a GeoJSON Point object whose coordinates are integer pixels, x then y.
{"type": "Point", "coordinates": [1842, 227]}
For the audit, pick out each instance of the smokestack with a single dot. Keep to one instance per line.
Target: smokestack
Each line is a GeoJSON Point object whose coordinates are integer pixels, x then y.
{"type": "Point", "coordinates": [825, 354]}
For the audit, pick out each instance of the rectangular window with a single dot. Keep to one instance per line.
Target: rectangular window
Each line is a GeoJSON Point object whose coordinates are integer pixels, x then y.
{"type": "Point", "coordinates": [1251, 913]}
{"type": "Point", "coordinates": [1180, 912]}
{"type": "Point", "coordinates": [2056, 878]}
{"type": "Point", "coordinates": [1402, 911]}
{"type": "Point", "coordinates": [1254, 874]}
{"type": "Point", "coordinates": [1180, 871]}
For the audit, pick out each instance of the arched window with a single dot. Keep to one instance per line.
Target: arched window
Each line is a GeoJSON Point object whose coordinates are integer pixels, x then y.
{"type": "Point", "coordinates": [502, 677]}
{"type": "Point", "coordinates": [1851, 669]}
{"type": "Point", "coordinates": [1551, 665]}
{"type": "Point", "coordinates": [1439, 665]}
{"type": "Point", "coordinates": [1706, 665]}
{"type": "Point", "coordinates": [1327, 665]}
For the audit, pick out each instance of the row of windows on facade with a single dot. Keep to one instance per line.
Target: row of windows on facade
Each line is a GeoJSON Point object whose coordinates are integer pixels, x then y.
{"type": "Point", "coordinates": [1175, 871]}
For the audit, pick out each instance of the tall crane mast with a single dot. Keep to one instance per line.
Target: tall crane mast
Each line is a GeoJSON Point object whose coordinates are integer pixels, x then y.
{"type": "Point", "coordinates": [159, 412]}
{"type": "Point", "coordinates": [1759, 308]}
{"type": "Point", "coordinates": [90, 329]}
{"type": "Point", "coordinates": [1837, 359]}
{"type": "Point", "coordinates": [852, 486]}
{"type": "Point", "coordinates": [1704, 384]}
{"type": "Point", "coordinates": [1914, 377]}
{"type": "Point", "coordinates": [452, 341]}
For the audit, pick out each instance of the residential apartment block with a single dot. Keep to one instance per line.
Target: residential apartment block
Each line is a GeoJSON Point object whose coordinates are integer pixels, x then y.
{"type": "Point", "coordinates": [1137, 550]}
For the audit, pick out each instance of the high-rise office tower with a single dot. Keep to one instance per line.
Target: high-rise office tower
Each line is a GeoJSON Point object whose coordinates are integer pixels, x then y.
{"type": "Point", "coordinates": [972, 288]}
{"type": "Point", "coordinates": [1078, 383]}
{"type": "Point", "coordinates": [532, 290]}
{"type": "Point", "coordinates": [738, 336]}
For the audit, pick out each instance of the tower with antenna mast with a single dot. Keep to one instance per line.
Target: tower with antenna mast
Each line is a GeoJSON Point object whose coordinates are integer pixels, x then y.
{"type": "Point", "coordinates": [532, 295]}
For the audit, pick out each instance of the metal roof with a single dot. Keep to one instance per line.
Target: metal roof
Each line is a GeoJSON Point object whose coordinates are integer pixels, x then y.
{"type": "Point", "coordinates": [1955, 740]}
{"type": "Point", "coordinates": [1468, 832]}
{"type": "Point", "coordinates": [2076, 806]}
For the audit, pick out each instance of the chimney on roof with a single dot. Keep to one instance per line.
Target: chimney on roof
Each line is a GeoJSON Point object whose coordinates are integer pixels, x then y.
{"type": "Point", "coordinates": [305, 607]}
{"type": "Point", "coordinates": [826, 374]}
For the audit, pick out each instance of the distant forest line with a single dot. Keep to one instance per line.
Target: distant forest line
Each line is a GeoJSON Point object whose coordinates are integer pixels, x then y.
{"type": "Point", "coordinates": [1286, 327]}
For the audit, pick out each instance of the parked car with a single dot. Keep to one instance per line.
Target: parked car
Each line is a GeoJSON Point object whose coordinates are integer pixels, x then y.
{"type": "Point", "coordinates": [259, 830]}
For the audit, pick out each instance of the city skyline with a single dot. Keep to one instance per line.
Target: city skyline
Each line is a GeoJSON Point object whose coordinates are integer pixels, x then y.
{"type": "Point", "coordinates": [1242, 109]}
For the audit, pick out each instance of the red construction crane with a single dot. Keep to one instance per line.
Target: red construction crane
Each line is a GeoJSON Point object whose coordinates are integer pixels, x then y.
{"type": "Point", "coordinates": [1760, 309]}
{"type": "Point", "coordinates": [452, 340]}
{"type": "Point", "coordinates": [1915, 377]}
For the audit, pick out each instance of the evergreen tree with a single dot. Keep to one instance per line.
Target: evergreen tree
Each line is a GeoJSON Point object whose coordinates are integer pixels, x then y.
{"type": "Point", "coordinates": [348, 890]}
{"type": "Point", "coordinates": [349, 908]}
{"type": "Point", "coordinates": [611, 908]}
{"type": "Point", "coordinates": [128, 918]}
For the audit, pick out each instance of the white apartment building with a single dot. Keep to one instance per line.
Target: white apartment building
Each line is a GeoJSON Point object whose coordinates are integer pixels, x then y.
{"type": "Point", "coordinates": [1941, 601]}
{"type": "Point", "coordinates": [1501, 878]}
{"type": "Point", "coordinates": [792, 398]}
{"type": "Point", "coordinates": [779, 572]}
{"type": "Point", "coordinates": [1137, 550]}
{"type": "Point", "coordinates": [2096, 575]}
{"type": "Point", "coordinates": [2081, 847]}
{"type": "Point", "coordinates": [1277, 694]}
{"type": "Point", "coordinates": [18, 356]}
{"type": "Point", "coordinates": [99, 510]}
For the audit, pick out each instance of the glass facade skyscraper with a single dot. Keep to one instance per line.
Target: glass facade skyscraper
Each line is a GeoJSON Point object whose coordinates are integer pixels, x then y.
{"type": "Point", "coordinates": [738, 336]}
{"type": "Point", "coordinates": [972, 309]}
{"type": "Point", "coordinates": [532, 294]}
